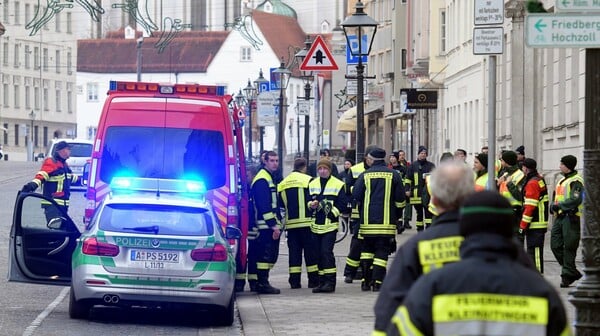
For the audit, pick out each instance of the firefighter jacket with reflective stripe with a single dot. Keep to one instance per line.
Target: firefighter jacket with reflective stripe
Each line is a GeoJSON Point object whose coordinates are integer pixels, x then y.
{"type": "Point", "coordinates": [332, 201]}
{"type": "Point", "coordinates": [535, 202]}
{"type": "Point", "coordinates": [568, 194]}
{"type": "Point", "coordinates": [264, 194]}
{"type": "Point", "coordinates": [488, 292]}
{"type": "Point", "coordinates": [481, 181]}
{"type": "Point", "coordinates": [379, 193]}
{"type": "Point", "coordinates": [353, 175]}
{"type": "Point", "coordinates": [293, 196]}
{"type": "Point", "coordinates": [56, 177]}
{"type": "Point", "coordinates": [430, 249]}
{"type": "Point", "coordinates": [417, 179]}
{"type": "Point", "coordinates": [512, 190]}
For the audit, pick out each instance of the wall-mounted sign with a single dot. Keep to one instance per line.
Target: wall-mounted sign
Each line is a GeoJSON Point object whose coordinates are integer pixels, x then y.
{"type": "Point", "coordinates": [420, 99]}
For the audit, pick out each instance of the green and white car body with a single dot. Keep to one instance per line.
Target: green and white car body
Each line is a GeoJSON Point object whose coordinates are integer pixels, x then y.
{"type": "Point", "coordinates": [147, 245]}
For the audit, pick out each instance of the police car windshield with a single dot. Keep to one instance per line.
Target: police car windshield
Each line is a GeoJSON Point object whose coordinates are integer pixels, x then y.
{"type": "Point", "coordinates": [157, 219]}
{"type": "Point", "coordinates": [167, 153]}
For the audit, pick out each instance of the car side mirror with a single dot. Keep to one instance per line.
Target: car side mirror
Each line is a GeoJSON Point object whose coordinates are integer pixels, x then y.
{"type": "Point", "coordinates": [232, 232]}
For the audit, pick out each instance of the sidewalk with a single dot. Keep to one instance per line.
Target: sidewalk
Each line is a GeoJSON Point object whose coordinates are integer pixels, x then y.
{"type": "Point", "coordinates": [348, 311]}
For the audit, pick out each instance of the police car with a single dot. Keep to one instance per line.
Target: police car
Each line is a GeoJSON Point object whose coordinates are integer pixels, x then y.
{"type": "Point", "coordinates": [151, 243]}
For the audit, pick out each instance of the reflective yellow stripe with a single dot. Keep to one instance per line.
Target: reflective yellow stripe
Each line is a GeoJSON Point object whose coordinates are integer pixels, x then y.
{"type": "Point", "coordinates": [563, 189]}
{"type": "Point", "coordinates": [295, 269]}
{"type": "Point", "coordinates": [380, 262]}
{"type": "Point", "coordinates": [404, 324]}
{"type": "Point", "coordinates": [352, 262]}
{"type": "Point", "coordinates": [435, 253]}
{"type": "Point", "coordinates": [329, 271]}
{"type": "Point", "coordinates": [512, 309]}
{"type": "Point", "coordinates": [312, 268]}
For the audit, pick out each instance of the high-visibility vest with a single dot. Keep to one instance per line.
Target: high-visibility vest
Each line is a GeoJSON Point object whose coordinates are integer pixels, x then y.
{"type": "Point", "coordinates": [262, 218]}
{"type": "Point", "coordinates": [516, 177]}
{"type": "Point", "coordinates": [292, 191]}
{"type": "Point", "coordinates": [539, 220]}
{"type": "Point", "coordinates": [481, 182]}
{"type": "Point", "coordinates": [563, 190]}
{"type": "Point", "coordinates": [329, 194]}
{"type": "Point", "coordinates": [356, 170]}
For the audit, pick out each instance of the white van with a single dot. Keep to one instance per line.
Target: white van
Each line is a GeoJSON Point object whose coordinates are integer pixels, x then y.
{"type": "Point", "coordinates": [81, 152]}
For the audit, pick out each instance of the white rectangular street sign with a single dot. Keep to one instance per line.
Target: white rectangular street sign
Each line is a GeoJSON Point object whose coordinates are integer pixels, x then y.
{"type": "Point", "coordinates": [351, 84]}
{"type": "Point", "coordinates": [489, 12]}
{"type": "Point", "coordinates": [303, 107]}
{"type": "Point", "coordinates": [488, 40]}
{"type": "Point", "coordinates": [265, 110]}
{"type": "Point", "coordinates": [562, 30]}
{"type": "Point", "coordinates": [577, 6]}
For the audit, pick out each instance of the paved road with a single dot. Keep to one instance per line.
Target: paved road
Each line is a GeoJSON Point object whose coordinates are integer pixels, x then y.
{"type": "Point", "coordinates": [348, 311]}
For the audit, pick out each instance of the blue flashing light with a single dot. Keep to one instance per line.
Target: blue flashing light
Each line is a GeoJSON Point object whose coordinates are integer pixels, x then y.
{"type": "Point", "coordinates": [121, 183]}
{"type": "Point", "coordinates": [195, 186]}
{"type": "Point", "coordinates": [220, 90]}
{"type": "Point", "coordinates": [112, 85]}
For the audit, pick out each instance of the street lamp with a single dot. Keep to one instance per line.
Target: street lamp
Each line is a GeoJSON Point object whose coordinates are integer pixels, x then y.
{"type": "Point", "coordinates": [307, 78]}
{"type": "Point", "coordinates": [30, 142]}
{"type": "Point", "coordinates": [139, 43]}
{"type": "Point", "coordinates": [282, 77]}
{"type": "Point", "coordinates": [359, 29]}
{"type": "Point", "coordinates": [250, 92]}
{"type": "Point", "coordinates": [261, 84]}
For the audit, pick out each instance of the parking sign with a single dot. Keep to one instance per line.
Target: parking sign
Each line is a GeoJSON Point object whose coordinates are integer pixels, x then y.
{"type": "Point", "coordinates": [354, 43]}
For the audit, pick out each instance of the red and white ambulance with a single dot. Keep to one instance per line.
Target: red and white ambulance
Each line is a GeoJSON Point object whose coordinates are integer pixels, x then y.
{"type": "Point", "coordinates": [172, 131]}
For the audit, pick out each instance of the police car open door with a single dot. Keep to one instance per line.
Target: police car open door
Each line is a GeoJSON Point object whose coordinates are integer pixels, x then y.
{"type": "Point", "coordinates": [42, 241]}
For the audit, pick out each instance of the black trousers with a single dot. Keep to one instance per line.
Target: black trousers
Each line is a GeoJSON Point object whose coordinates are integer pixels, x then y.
{"type": "Point", "coordinates": [267, 252]}
{"type": "Point", "coordinates": [325, 243]}
{"type": "Point", "coordinates": [374, 259]}
{"type": "Point", "coordinates": [353, 258]}
{"type": "Point", "coordinates": [534, 239]}
{"type": "Point", "coordinates": [302, 241]}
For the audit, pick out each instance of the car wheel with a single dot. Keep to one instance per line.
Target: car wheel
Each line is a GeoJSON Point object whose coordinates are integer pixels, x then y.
{"type": "Point", "coordinates": [224, 315]}
{"type": "Point", "coordinates": [78, 309]}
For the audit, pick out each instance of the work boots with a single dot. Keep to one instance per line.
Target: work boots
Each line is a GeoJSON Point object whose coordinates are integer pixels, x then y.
{"type": "Point", "coordinates": [263, 286]}
{"type": "Point", "coordinates": [327, 284]}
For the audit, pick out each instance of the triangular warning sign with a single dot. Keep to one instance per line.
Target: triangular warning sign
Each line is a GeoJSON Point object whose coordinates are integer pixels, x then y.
{"type": "Point", "coordinates": [318, 57]}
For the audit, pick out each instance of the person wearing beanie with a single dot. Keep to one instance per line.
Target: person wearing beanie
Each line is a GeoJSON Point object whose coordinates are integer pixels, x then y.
{"type": "Point", "coordinates": [56, 177]}
{"type": "Point", "coordinates": [416, 173]}
{"type": "Point", "coordinates": [481, 174]}
{"type": "Point", "coordinates": [534, 220]}
{"type": "Point", "coordinates": [352, 270]}
{"type": "Point", "coordinates": [510, 184]}
{"type": "Point", "coordinates": [451, 183]}
{"type": "Point", "coordinates": [323, 154]}
{"type": "Point", "coordinates": [343, 175]}
{"type": "Point", "coordinates": [379, 194]}
{"type": "Point", "coordinates": [292, 192]}
{"type": "Point", "coordinates": [520, 155]}
{"type": "Point", "coordinates": [566, 208]}
{"type": "Point", "coordinates": [327, 202]}
{"type": "Point", "coordinates": [489, 289]}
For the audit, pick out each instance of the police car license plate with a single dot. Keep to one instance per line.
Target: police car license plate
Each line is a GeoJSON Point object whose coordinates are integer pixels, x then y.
{"type": "Point", "coordinates": [155, 259]}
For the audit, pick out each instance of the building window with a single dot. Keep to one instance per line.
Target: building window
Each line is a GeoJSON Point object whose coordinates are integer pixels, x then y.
{"type": "Point", "coordinates": [17, 134]}
{"type": "Point", "coordinates": [5, 53]}
{"type": "Point", "coordinates": [16, 53]}
{"type": "Point", "coordinates": [45, 143]}
{"type": "Point", "coordinates": [69, 63]}
{"type": "Point", "coordinates": [69, 24]}
{"type": "Point", "coordinates": [57, 22]}
{"type": "Point", "coordinates": [36, 98]}
{"type": "Point", "coordinates": [58, 101]}
{"type": "Point", "coordinates": [46, 99]}
{"type": "Point", "coordinates": [325, 27]}
{"type": "Point", "coordinates": [5, 13]}
{"type": "Point", "coordinates": [5, 140]}
{"type": "Point", "coordinates": [17, 12]}
{"type": "Point", "coordinates": [92, 92]}
{"type": "Point", "coordinates": [36, 58]}
{"type": "Point", "coordinates": [27, 57]}
{"type": "Point", "coordinates": [27, 96]}
{"type": "Point", "coordinates": [45, 60]}
{"type": "Point", "coordinates": [5, 99]}
{"type": "Point", "coordinates": [443, 31]}
{"type": "Point", "coordinates": [27, 13]}
{"type": "Point", "coordinates": [17, 94]}
{"type": "Point", "coordinates": [57, 60]}
{"type": "Point", "coordinates": [246, 54]}
{"type": "Point", "coordinates": [36, 137]}
{"type": "Point", "coordinates": [69, 98]}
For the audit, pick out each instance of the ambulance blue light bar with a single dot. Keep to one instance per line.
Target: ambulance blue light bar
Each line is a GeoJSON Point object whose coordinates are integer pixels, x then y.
{"type": "Point", "coordinates": [127, 185]}
{"type": "Point", "coordinates": [120, 86]}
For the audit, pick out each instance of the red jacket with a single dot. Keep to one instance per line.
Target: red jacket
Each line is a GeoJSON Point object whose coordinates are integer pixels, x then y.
{"type": "Point", "coordinates": [56, 178]}
{"type": "Point", "coordinates": [535, 203]}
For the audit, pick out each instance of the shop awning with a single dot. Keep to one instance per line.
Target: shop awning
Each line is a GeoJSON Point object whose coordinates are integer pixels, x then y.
{"type": "Point", "coordinates": [347, 121]}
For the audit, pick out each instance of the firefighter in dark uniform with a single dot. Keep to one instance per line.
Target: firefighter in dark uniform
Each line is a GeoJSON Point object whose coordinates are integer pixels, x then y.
{"type": "Point", "coordinates": [534, 221]}
{"type": "Point", "coordinates": [430, 249]}
{"type": "Point", "coordinates": [402, 169]}
{"type": "Point", "coordinates": [327, 201]}
{"type": "Point", "coordinates": [487, 292]}
{"type": "Point", "coordinates": [268, 222]}
{"type": "Point", "coordinates": [566, 229]}
{"type": "Point", "coordinates": [510, 184]}
{"type": "Point", "coordinates": [56, 177]}
{"type": "Point", "coordinates": [379, 193]}
{"type": "Point", "coordinates": [416, 172]}
{"type": "Point", "coordinates": [352, 270]}
{"type": "Point", "coordinates": [293, 196]}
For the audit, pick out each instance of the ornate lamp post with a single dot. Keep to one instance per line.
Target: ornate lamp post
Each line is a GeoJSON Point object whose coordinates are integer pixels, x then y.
{"type": "Point", "coordinates": [250, 93]}
{"type": "Point", "coordinates": [359, 29]}
{"type": "Point", "coordinates": [307, 78]}
{"type": "Point", "coordinates": [282, 76]}
{"type": "Point", "coordinates": [261, 84]}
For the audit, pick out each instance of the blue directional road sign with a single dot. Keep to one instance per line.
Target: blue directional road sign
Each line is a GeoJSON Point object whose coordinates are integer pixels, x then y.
{"type": "Point", "coordinates": [354, 43]}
